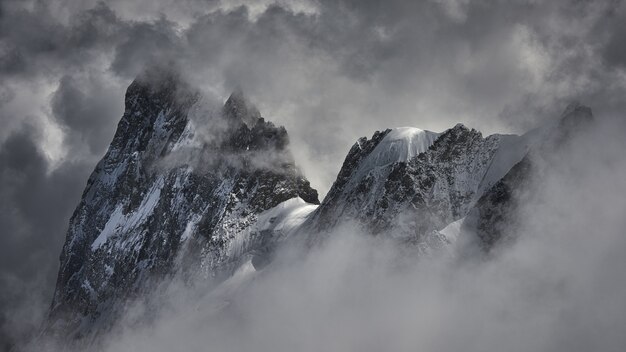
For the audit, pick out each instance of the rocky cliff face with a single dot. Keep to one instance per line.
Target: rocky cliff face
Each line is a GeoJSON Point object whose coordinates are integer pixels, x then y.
{"type": "Point", "coordinates": [411, 183]}
{"type": "Point", "coordinates": [495, 217]}
{"type": "Point", "coordinates": [178, 189]}
{"type": "Point", "coordinates": [190, 187]}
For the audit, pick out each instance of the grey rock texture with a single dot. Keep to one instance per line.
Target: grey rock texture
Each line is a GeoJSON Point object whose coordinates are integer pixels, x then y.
{"type": "Point", "coordinates": [495, 218]}
{"type": "Point", "coordinates": [416, 196]}
{"type": "Point", "coordinates": [193, 189]}
{"type": "Point", "coordinates": [166, 198]}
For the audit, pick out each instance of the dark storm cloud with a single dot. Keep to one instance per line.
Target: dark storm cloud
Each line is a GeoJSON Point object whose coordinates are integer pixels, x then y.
{"type": "Point", "coordinates": [144, 44]}
{"type": "Point", "coordinates": [35, 206]}
{"type": "Point", "coordinates": [86, 108]}
{"type": "Point", "coordinates": [559, 286]}
{"type": "Point", "coordinates": [614, 28]}
{"type": "Point", "coordinates": [330, 71]}
{"type": "Point", "coordinates": [35, 43]}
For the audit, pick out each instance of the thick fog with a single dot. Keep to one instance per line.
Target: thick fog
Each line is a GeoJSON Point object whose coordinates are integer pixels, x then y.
{"type": "Point", "coordinates": [330, 72]}
{"type": "Point", "coordinates": [559, 285]}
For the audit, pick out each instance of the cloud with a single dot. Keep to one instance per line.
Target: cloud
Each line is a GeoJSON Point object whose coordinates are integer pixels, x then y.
{"type": "Point", "coordinates": [330, 71]}
{"type": "Point", "coordinates": [35, 208]}
{"type": "Point", "coordinates": [85, 106]}
{"type": "Point", "coordinates": [558, 287]}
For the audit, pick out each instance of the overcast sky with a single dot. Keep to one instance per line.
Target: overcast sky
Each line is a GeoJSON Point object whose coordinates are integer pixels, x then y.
{"type": "Point", "coordinates": [329, 71]}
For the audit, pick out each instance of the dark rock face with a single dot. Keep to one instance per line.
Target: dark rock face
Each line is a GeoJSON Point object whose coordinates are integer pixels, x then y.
{"type": "Point", "coordinates": [147, 212]}
{"type": "Point", "coordinates": [413, 197]}
{"type": "Point", "coordinates": [495, 218]}
{"type": "Point", "coordinates": [188, 189]}
{"type": "Point", "coordinates": [238, 108]}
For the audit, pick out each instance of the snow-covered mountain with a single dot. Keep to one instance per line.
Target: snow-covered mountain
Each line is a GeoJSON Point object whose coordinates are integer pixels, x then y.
{"type": "Point", "coordinates": [179, 189]}
{"type": "Point", "coordinates": [495, 216]}
{"type": "Point", "coordinates": [411, 183]}
{"type": "Point", "coordinates": [193, 189]}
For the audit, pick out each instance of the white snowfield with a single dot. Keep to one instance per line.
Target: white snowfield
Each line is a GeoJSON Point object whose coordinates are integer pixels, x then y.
{"type": "Point", "coordinates": [286, 217]}
{"type": "Point", "coordinates": [124, 223]}
{"type": "Point", "coordinates": [400, 144]}
{"type": "Point", "coordinates": [279, 222]}
{"type": "Point", "coordinates": [452, 231]}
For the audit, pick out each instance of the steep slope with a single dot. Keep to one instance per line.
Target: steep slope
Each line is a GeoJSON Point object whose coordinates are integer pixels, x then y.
{"type": "Point", "coordinates": [193, 188]}
{"type": "Point", "coordinates": [179, 188]}
{"type": "Point", "coordinates": [411, 183]}
{"type": "Point", "coordinates": [495, 218]}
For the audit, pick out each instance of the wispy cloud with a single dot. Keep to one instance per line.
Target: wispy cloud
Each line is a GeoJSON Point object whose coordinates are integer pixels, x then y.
{"type": "Point", "coordinates": [330, 71]}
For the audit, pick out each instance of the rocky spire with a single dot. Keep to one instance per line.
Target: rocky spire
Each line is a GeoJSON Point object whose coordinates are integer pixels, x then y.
{"type": "Point", "coordinates": [237, 107]}
{"type": "Point", "coordinates": [494, 217]}
{"type": "Point", "coordinates": [141, 219]}
{"type": "Point", "coordinates": [575, 116]}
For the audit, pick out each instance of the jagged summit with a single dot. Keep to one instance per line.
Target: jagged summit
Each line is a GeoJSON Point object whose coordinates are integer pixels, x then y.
{"type": "Point", "coordinates": [148, 211]}
{"type": "Point", "coordinates": [399, 144]}
{"type": "Point", "coordinates": [459, 126]}
{"type": "Point", "coordinates": [199, 191]}
{"type": "Point", "coordinates": [238, 107]}
{"type": "Point", "coordinates": [494, 217]}
{"type": "Point", "coordinates": [410, 183]}
{"type": "Point", "coordinates": [575, 116]}
{"type": "Point", "coordinates": [162, 82]}
{"type": "Point", "coordinates": [576, 107]}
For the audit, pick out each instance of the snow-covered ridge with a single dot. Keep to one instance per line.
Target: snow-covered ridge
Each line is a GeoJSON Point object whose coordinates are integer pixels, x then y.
{"type": "Point", "coordinates": [167, 198]}
{"type": "Point", "coordinates": [286, 216]}
{"type": "Point", "coordinates": [409, 183]}
{"type": "Point", "coordinates": [123, 223]}
{"type": "Point", "coordinates": [156, 203]}
{"type": "Point", "coordinates": [271, 226]}
{"type": "Point", "coordinates": [399, 145]}
{"type": "Point", "coordinates": [281, 220]}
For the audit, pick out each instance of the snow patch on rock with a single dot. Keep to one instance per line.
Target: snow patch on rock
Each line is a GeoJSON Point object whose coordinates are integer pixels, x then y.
{"type": "Point", "coordinates": [400, 144]}
{"type": "Point", "coordinates": [452, 230]}
{"type": "Point", "coordinates": [286, 217]}
{"type": "Point", "coordinates": [120, 222]}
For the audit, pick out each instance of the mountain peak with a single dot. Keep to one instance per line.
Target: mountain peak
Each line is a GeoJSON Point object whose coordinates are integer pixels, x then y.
{"type": "Point", "coordinates": [238, 107]}
{"type": "Point", "coordinates": [400, 145]}
{"type": "Point", "coordinates": [162, 192]}
{"type": "Point", "coordinates": [576, 115]}
{"type": "Point", "coordinates": [161, 80]}
{"type": "Point", "coordinates": [573, 107]}
{"type": "Point", "coordinates": [458, 128]}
